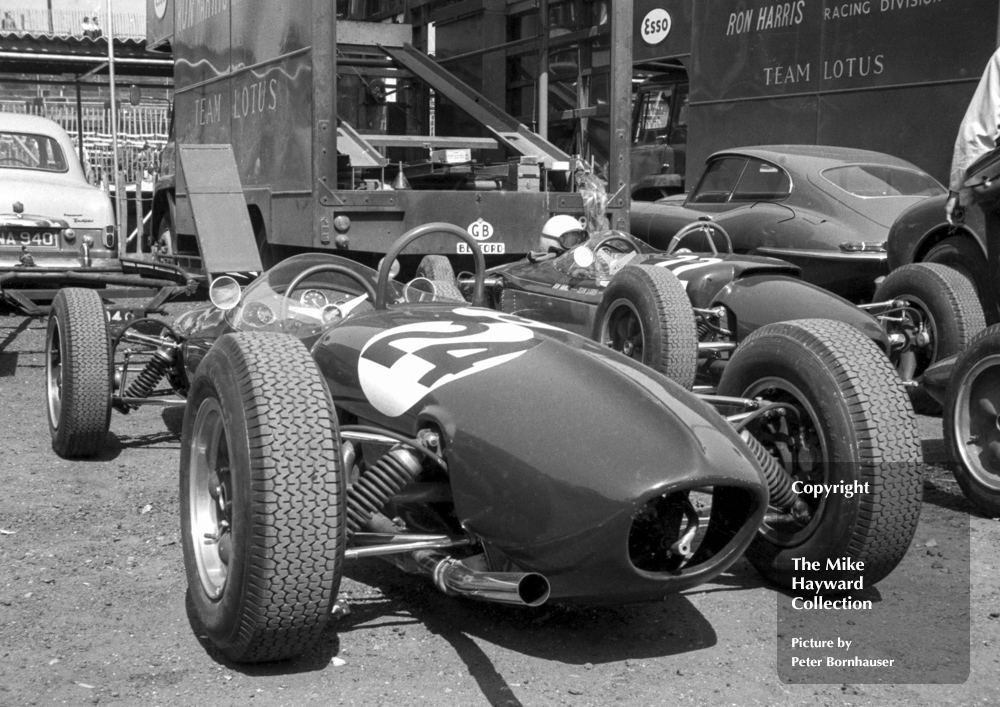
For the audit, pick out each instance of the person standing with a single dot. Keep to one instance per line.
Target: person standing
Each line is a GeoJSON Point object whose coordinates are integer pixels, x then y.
{"type": "Point", "coordinates": [977, 135]}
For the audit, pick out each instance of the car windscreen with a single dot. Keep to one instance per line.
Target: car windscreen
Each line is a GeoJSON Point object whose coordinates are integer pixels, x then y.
{"type": "Point", "coordinates": [31, 151]}
{"type": "Point", "coordinates": [878, 180]}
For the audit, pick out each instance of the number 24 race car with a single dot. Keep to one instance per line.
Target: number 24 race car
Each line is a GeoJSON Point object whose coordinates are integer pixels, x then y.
{"type": "Point", "coordinates": [332, 415]}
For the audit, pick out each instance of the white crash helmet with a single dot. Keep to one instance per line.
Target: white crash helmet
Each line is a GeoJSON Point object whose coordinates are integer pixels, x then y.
{"type": "Point", "coordinates": [562, 232]}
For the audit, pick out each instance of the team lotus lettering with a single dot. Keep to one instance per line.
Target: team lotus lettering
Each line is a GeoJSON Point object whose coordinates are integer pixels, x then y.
{"type": "Point", "coordinates": [398, 367]}
{"type": "Point", "coordinates": [255, 98]}
{"type": "Point", "coordinates": [208, 110]}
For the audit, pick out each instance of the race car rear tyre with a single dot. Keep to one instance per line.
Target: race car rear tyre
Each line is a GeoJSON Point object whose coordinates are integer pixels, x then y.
{"type": "Point", "coordinates": [262, 498]}
{"type": "Point", "coordinates": [438, 269]}
{"type": "Point", "coordinates": [971, 422]}
{"type": "Point", "coordinates": [961, 253]}
{"type": "Point", "coordinates": [78, 373]}
{"type": "Point", "coordinates": [646, 314]}
{"type": "Point", "coordinates": [852, 425]}
{"type": "Point", "coordinates": [948, 302]}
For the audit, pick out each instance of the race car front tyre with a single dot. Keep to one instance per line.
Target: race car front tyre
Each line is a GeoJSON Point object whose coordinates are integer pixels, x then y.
{"type": "Point", "coordinates": [78, 373]}
{"type": "Point", "coordinates": [947, 302]}
{"type": "Point", "coordinates": [970, 421]}
{"type": "Point", "coordinates": [846, 424]}
{"type": "Point", "coordinates": [646, 314]}
{"type": "Point", "coordinates": [262, 498]}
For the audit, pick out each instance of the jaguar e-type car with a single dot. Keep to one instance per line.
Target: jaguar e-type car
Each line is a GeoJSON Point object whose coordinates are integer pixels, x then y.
{"type": "Point", "coordinates": [826, 209]}
{"type": "Point", "coordinates": [50, 217]}
{"type": "Point", "coordinates": [333, 415]}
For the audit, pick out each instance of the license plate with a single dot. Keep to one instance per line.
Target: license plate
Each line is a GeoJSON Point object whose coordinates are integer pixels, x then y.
{"type": "Point", "coordinates": [487, 248]}
{"type": "Point", "coordinates": [32, 239]}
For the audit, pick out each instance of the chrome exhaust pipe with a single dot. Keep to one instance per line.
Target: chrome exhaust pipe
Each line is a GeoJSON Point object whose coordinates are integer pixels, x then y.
{"type": "Point", "coordinates": [454, 577]}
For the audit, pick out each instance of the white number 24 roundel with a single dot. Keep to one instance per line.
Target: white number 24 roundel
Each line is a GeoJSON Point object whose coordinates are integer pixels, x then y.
{"type": "Point", "coordinates": [398, 367]}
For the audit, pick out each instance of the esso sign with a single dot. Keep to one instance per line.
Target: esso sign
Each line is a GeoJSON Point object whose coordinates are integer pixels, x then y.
{"type": "Point", "coordinates": [480, 230]}
{"type": "Point", "coordinates": [655, 26]}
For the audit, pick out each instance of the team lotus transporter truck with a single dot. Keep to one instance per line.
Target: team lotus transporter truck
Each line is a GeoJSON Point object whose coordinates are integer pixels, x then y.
{"type": "Point", "coordinates": [297, 130]}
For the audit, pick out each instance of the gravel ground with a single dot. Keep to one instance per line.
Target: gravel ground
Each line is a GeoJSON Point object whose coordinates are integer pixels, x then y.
{"type": "Point", "coordinates": [92, 602]}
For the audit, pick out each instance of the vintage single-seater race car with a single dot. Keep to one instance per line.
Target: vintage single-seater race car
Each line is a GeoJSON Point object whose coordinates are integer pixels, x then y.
{"type": "Point", "coordinates": [332, 415]}
{"type": "Point", "coordinates": [618, 290]}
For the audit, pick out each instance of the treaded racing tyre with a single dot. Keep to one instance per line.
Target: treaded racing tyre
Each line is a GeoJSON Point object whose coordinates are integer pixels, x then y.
{"type": "Point", "coordinates": [78, 373]}
{"type": "Point", "coordinates": [948, 301]}
{"type": "Point", "coordinates": [262, 498]}
{"type": "Point", "coordinates": [853, 425]}
{"type": "Point", "coordinates": [438, 269]}
{"type": "Point", "coordinates": [970, 421]}
{"type": "Point", "coordinates": [646, 314]}
{"type": "Point", "coordinates": [963, 254]}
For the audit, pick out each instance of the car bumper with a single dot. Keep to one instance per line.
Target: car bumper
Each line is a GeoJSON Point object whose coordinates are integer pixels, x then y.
{"type": "Point", "coordinates": [850, 275]}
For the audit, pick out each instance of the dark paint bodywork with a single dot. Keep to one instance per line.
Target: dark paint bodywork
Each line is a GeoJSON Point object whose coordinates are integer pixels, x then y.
{"type": "Point", "coordinates": [533, 482]}
{"type": "Point", "coordinates": [806, 227]}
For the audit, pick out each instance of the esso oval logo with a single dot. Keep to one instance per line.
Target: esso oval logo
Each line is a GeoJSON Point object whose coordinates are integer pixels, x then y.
{"type": "Point", "coordinates": [480, 230]}
{"type": "Point", "coordinates": [160, 8]}
{"type": "Point", "coordinates": [655, 26]}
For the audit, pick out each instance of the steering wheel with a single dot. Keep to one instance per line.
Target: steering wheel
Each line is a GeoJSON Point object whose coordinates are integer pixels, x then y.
{"type": "Point", "coordinates": [382, 287]}
{"type": "Point", "coordinates": [325, 267]}
{"type": "Point", "coordinates": [705, 228]}
{"type": "Point", "coordinates": [632, 247]}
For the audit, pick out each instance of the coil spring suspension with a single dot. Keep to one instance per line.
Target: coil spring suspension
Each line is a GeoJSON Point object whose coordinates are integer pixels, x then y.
{"type": "Point", "coordinates": [705, 332]}
{"type": "Point", "coordinates": [779, 483]}
{"type": "Point", "coordinates": [380, 482]}
{"type": "Point", "coordinates": [154, 371]}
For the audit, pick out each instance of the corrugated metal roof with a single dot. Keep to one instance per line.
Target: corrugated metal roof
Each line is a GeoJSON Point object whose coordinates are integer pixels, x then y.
{"type": "Point", "coordinates": [41, 53]}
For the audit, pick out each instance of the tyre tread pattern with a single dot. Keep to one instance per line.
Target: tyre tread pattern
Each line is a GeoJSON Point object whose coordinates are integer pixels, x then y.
{"type": "Point", "coordinates": [86, 362]}
{"type": "Point", "coordinates": [887, 442]}
{"type": "Point", "coordinates": [297, 519]}
{"type": "Point", "coordinates": [677, 357]}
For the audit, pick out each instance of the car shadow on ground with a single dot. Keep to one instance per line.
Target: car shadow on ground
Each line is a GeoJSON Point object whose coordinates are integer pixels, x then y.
{"type": "Point", "coordinates": [173, 419]}
{"type": "Point", "coordinates": [940, 487]}
{"type": "Point", "coordinates": [575, 635]}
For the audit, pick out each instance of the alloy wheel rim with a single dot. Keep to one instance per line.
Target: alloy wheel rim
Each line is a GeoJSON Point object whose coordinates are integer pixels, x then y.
{"type": "Point", "coordinates": [623, 331]}
{"type": "Point", "coordinates": [810, 463]}
{"type": "Point", "coordinates": [210, 499]}
{"type": "Point", "coordinates": [976, 424]}
{"type": "Point", "coordinates": [54, 374]}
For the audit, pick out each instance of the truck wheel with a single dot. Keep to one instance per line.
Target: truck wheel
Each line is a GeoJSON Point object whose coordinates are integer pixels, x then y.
{"type": "Point", "coordinates": [946, 303]}
{"type": "Point", "coordinates": [262, 498]}
{"type": "Point", "coordinates": [963, 255]}
{"type": "Point", "coordinates": [78, 373]}
{"type": "Point", "coordinates": [164, 243]}
{"type": "Point", "coordinates": [851, 424]}
{"type": "Point", "coordinates": [972, 421]}
{"type": "Point", "coordinates": [646, 314]}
